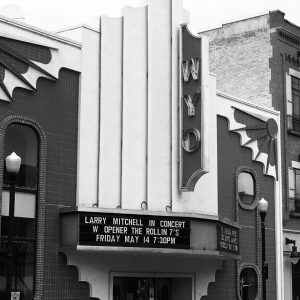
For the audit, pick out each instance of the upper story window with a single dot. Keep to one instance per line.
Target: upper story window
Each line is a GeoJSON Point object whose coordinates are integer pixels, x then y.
{"type": "Point", "coordinates": [247, 188]}
{"type": "Point", "coordinates": [294, 187]}
{"type": "Point", "coordinates": [293, 101]}
{"type": "Point", "coordinates": [22, 140]}
{"type": "Point", "coordinates": [296, 103]}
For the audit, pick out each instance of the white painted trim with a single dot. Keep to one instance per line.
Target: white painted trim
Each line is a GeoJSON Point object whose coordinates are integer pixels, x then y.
{"type": "Point", "coordinates": [159, 105]}
{"type": "Point", "coordinates": [111, 78]}
{"type": "Point", "coordinates": [294, 73]}
{"type": "Point", "coordinates": [250, 104]}
{"type": "Point", "coordinates": [79, 26]}
{"type": "Point", "coordinates": [278, 224]}
{"type": "Point", "coordinates": [205, 117]}
{"type": "Point", "coordinates": [12, 36]}
{"type": "Point", "coordinates": [295, 164]}
{"type": "Point", "coordinates": [291, 230]}
{"type": "Point", "coordinates": [39, 31]}
{"type": "Point", "coordinates": [88, 120]}
{"type": "Point", "coordinates": [134, 134]}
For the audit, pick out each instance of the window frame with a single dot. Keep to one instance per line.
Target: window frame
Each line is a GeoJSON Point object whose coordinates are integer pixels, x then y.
{"type": "Point", "coordinates": [256, 186]}
{"type": "Point", "coordinates": [293, 198]}
{"type": "Point", "coordinates": [40, 195]}
{"type": "Point", "coordinates": [258, 276]}
{"type": "Point", "coordinates": [291, 117]}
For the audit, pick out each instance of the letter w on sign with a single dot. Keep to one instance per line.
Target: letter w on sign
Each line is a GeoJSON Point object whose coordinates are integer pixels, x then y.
{"type": "Point", "coordinates": [190, 67]}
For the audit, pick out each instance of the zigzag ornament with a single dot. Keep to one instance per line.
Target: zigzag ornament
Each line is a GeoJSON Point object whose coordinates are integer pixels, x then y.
{"type": "Point", "coordinates": [263, 145]}
{"type": "Point", "coordinates": [13, 78]}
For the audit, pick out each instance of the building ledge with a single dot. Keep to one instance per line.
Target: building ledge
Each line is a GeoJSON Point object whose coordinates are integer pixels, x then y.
{"type": "Point", "coordinates": [150, 251]}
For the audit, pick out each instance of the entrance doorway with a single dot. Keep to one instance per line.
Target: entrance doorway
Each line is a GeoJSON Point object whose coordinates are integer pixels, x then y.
{"type": "Point", "coordinates": [152, 288]}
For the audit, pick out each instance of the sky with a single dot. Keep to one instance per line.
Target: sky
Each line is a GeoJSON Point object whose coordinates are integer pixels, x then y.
{"type": "Point", "coordinates": [57, 14]}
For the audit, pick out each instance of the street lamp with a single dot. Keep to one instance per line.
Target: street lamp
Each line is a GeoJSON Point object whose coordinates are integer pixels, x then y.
{"type": "Point", "coordinates": [262, 207]}
{"type": "Point", "coordinates": [13, 163]}
{"type": "Point", "coordinates": [295, 255]}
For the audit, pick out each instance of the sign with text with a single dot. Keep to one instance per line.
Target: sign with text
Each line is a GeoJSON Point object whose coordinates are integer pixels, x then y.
{"type": "Point", "coordinates": [228, 238]}
{"type": "Point", "coordinates": [190, 114]}
{"type": "Point", "coordinates": [101, 229]}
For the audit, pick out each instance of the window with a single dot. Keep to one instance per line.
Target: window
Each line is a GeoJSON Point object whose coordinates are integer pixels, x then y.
{"type": "Point", "coordinates": [296, 280]}
{"type": "Point", "coordinates": [247, 188]}
{"type": "Point", "coordinates": [23, 141]}
{"type": "Point", "coordinates": [293, 101]}
{"type": "Point", "coordinates": [296, 103]}
{"type": "Point", "coordinates": [248, 281]}
{"type": "Point", "coordinates": [294, 187]}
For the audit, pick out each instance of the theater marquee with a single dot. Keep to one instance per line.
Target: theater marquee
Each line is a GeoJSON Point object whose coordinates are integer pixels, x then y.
{"type": "Point", "coordinates": [103, 230]}
{"type": "Point", "coordinates": [134, 231]}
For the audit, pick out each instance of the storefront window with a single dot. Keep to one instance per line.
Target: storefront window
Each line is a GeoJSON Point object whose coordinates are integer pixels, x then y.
{"type": "Point", "coordinates": [24, 142]}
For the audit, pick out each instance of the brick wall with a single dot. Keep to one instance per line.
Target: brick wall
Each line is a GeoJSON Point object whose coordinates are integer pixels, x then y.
{"type": "Point", "coordinates": [285, 46]}
{"type": "Point", "coordinates": [239, 56]}
{"type": "Point", "coordinates": [231, 156]}
{"type": "Point", "coordinates": [54, 106]}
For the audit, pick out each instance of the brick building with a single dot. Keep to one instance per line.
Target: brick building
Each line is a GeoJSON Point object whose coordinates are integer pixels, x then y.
{"type": "Point", "coordinates": [146, 129]}
{"type": "Point", "coordinates": [258, 59]}
{"type": "Point", "coordinates": [39, 90]}
{"type": "Point", "coordinates": [145, 169]}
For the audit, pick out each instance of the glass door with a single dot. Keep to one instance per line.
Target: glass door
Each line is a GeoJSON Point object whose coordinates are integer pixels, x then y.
{"type": "Point", "coordinates": [152, 288]}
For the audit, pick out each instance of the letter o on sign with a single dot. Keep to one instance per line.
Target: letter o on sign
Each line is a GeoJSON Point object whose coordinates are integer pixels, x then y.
{"type": "Point", "coordinates": [191, 140]}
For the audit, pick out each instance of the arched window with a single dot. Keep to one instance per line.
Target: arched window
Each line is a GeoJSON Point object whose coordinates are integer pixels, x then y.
{"type": "Point", "coordinates": [23, 140]}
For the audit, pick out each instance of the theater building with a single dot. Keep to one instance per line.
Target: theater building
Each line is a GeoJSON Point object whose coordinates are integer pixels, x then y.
{"type": "Point", "coordinates": [264, 51]}
{"type": "Point", "coordinates": [170, 169]}
{"type": "Point", "coordinates": [140, 178]}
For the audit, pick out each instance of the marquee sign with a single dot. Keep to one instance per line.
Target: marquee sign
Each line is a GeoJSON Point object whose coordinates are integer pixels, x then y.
{"type": "Point", "coordinates": [103, 229]}
{"type": "Point", "coordinates": [191, 110]}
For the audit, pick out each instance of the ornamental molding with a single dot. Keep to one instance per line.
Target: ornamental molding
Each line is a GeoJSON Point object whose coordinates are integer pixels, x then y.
{"type": "Point", "coordinates": [260, 136]}
{"type": "Point", "coordinates": [12, 77]}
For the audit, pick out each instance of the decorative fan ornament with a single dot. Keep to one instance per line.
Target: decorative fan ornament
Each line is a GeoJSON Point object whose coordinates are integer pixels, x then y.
{"type": "Point", "coordinates": [259, 134]}
{"type": "Point", "coordinates": [13, 76]}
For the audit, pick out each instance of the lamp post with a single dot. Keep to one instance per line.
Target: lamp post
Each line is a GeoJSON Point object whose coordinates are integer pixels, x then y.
{"type": "Point", "coordinates": [13, 163]}
{"type": "Point", "coordinates": [262, 207]}
{"type": "Point", "coordinates": [295, 255]}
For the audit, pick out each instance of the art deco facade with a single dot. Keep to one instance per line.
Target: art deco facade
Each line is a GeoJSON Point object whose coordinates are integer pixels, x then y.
{"type": "Point", "coordinates": [145, 167]}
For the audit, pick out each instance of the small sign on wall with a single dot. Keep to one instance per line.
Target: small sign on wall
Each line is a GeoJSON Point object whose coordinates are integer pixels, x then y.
{"type": "Point", "coordinates": [228, 238]}
{"type": "Point", "coordinates": [191, 110]}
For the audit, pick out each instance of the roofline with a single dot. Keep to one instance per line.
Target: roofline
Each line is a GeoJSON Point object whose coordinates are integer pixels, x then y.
{"type": "Point", "coordinates": [39, 31]}
{"type": "Point", "coordinates": [235, 20]}
{"type": "Point", "coordinates": [247, 102]}
{"type": "Point", "coordinates": [73, 27]}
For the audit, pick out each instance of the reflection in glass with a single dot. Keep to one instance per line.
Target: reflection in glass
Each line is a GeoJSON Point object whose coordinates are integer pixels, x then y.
{"type": "Point", "coordinates": [246, 188]}
{"type": "Point", "coordinates": [22, 140]}
{"type": "Point", "coordinates": [248, 284]}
